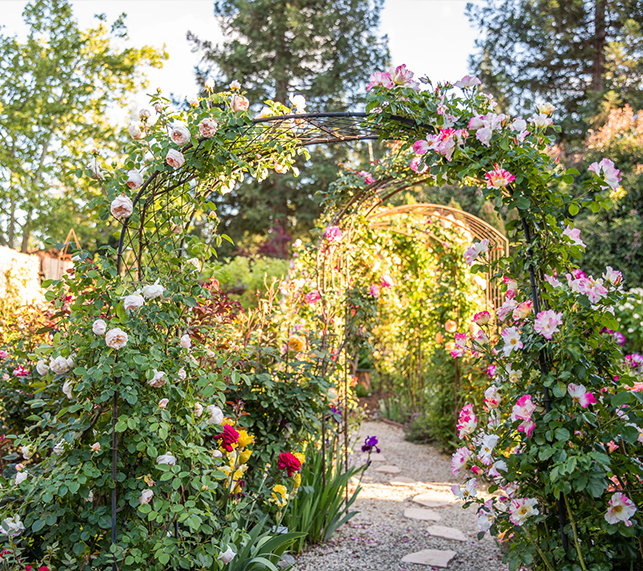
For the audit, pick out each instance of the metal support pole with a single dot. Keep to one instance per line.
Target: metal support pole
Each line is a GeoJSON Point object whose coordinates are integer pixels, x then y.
{"type": "Point", "coordinates": [114, 461]}
{"type": "Point", "coordinates": [542, 357]}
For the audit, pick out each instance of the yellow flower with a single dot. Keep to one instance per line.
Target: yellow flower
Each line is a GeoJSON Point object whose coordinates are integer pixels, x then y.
{"type": "Point", "coordinates": [244, 456]}
{"type": "Point", "coordinates": [244, 439]}
{"type": "Point", "coordinates": [296, 343]}
{"type": "Point", "coordinates": [297, 480]}
{"type": "Point", "coordinates": [279, 494]}
{"type": "Point", "coordinates": [300, 457]}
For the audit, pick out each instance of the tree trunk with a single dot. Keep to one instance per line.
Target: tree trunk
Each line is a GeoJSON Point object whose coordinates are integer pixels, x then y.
{"type": "Point", "coordinates": [26, 232]}
{"type": "Point", "coordinates": [598, 69]}
{"type": "Point", "coordinates": [11, 232]}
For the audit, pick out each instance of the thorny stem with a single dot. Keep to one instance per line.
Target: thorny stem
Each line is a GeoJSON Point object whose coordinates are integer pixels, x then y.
{"type": "Point", "coordinates": [576, 542]}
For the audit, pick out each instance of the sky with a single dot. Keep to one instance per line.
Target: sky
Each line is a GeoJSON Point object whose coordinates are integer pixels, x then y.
{"type": "Point", "coordinates": [432, 37]}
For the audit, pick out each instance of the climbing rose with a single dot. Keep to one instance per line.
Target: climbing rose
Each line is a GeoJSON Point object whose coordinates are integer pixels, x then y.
{"type": "Point", "coordinates": [133, 301]}
{"type": "Point", "coordinates": [523, 410]}
{"type": "Point", "coordinates": [158, 380]}
{"type": "Point", "coordinates": [12, 526]}
{"type": "Point", "coordinates": [613, 276]}
{"type": "Point", "coordinates": [521, 509]}
{"type": "Point", "coordinates": [146, 497]}
{"type": "Point", "coordinates": [4, 354]}
{"type": "Point", "coordinates": [547, 323]}
{"type": "Point", "coordinates": [475, 250]}
{"type": "Point", "coordinates": [580, 395]}
{"type": "Point", "coordinates": [512, 287]}
{"type": "Point", "coordinates": [134, 179]}
{"type": "Point", "coordinates": [541, 121]}
{"type": "Point", "coordinates": [313, 297]}
{"type": "Point", "coordinates": [374, 290]}
{"type": "Point", "coordinates": [523, 310]}
{"type": "Point", "coordinates": [121, 207]}
{"type": "Point", "coordinates": [174, 158]}
{"type": "Point", "coordinates": [26, 452]}
{"type": "Point", "coordinates": [546, 108]}
{"type": "Point", "coordinates": [298, 103]}
{"type": "Point", "coordinates": [415, 166]}
{"type": "Point", "coordinates": [99, 327]}
{"type": "Point", "coordinates": [163, 403]}
{"type": "Point", "coordinates": [61, 365]}
{"type": "Point", "coordinates": [228, 437]}
{"type": "Point", "coordinates": [499, 178]}
{"type": "Point", "coordinates": [380, 78]}
{"type": "Point", "coordinates": [208, 127]}
{"type": "Point", "coordinates": [179, 133]}
{"type": "Point", "coordinates": [608, 172]}
{"type": "Point", "coordinates": [467, 492]}
{"type": "Point", "coordinates": [487, 444]}
{"type": "Point", "coordinates": [20, 371]}
{"type": "Point", "coordinates": [482, 318]}
{"type": "Point", "coordinates": [227, 556]}
{"type": "Point", "coordinates": [574, 235]}
{"type": "Point", "coordinates": [333, 234]}
{"type": "Point", "coordinates": [289, 462]}
{"type": "Point", "coordinates": [386, 281]}
{"type": "Point", "coordinates": [467, 82]}
{"type": "Point", "coordinates": [492, 397]}
{"type": "Point", "coordinates": [459, 460]}
{"type": "Point", "coordinates": [116, 338]}
{"type": "Point", "coordinates": [620, 508]}
{"type": "Point", "coordinates": [167, 458]}
{"type": "Point", "coordinates": [367, 176]}
{"type": "Point", "coordinates": [239, 103]}
{"type": "Point", "coordinates": [152, 291]}
{"type": "Point", "coordinates": [404, 77]}
{"type": "Point", "coordinates": [198, 409]}
{"type": "Point", "coordinates": [21, 477]}
{"type": "Point", "coordinates": [136, 130]}
{"type": "Point", "coordinates": [215, 414]}
{"type": "Point", "coordinates": [186, 342]}
{"type": "Point", "coordinates": [511, 337]}
{"type": "Point", "coordinates": [467, 421]}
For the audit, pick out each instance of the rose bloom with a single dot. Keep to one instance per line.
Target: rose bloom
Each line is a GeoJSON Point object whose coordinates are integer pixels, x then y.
{"type": "Point", "coordinates": [167, 458]}
{"type": "Point", "coordinates": [208, 127]}
{"type": "Point", "coordinates": [450, 326]}
{"type": "Point", "coordinates": [66, 389]}
{"type": "Point", "coordinates": [134, 179]}
{"type": "Point", "coordinates": [96, 446]}
{"type": "Point", "coordinates": [482, 318]}
{"type": "Point", "coordinates": [179, 133]}
{"type": "Point", "coordinates": [239, 103]}
{"type": "Point", "coordinates": [4, 354]}
{"type": "Point", "coordinates": [182, 374]}
{"type": "Point", "coordinates": [20, 371]}
{"type": "Point", "coordinates": [121, 207]}
{"type": "Point", "coordinates": [215, 414]}
{"type": "Point", "coordinates": [136, 130]}
{"type": "Point", "coordinates": [492, 397]}
{"type": "Point", "coordinates": [620, 508]}
{"type": "Point", "coordinates": [467, 82]}
{"type": "Point", "coordinates": [475, 250]}
{"type": "Point", "coordinates": [580, 395]}
{"type": "Point", "coordinates": [459, 460]}
{"type": "Point", "coordinates": [158, 380]}
{"type": "Point", "coordinates": [26, 452]}
{"type": "Point", "coordinates": [547, 323]}
{"type": "Point", "coordinates": [313, 297]}
{"type": "Point", "coordinates": [386, 281]}
{"type": "Point", "coordinates": [374, 290]}
{"type": "Point", "coordinates": [499, 178]}
{"type": "Point", "coordinates": [175, 158]}
{"type": "Point", "coordinates": [522, 310]}
{"type": "Point", "coordinates": [198, 409]}
{"type": "Point", "coordinates": [467, 492]}
{"type": "Point", "coordinates": [134, 301]}
{"type": "Point", "coordinates": [99, 327]}
{"type": "Point", "coordinates": [152, 291]}
{"type": "Point", "coordinates": [289, 462]}
{"type": "Point", "coordinates": [61, 365]}
{"type": "Point", "coordinates": [186, 342]}
{"type": "Point", "coordinates": [228, 438]}
{"type": "Point", "coordinates": [116, 338]}
{"type": "Point", "coordinates": [146, 497]}
{"type": "Point", "coordinates": [333, 234]}
{"type": "Point", "coordinates": [296, 343]}
{"type": "Point", "coordinates": [163, 403]}
{"type": "Point", "coordinates": [522, 508]}
{"type": "Point", "coordinates": [227, 555]}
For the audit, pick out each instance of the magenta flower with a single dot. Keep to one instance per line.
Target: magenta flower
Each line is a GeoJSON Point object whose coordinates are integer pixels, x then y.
{"type": "Point", "coordinates": [20, 371]}
{"type": "Point", "coordinates": [459, 460]}
{"type": "Point", "coordinates": [492, 397]}
{"type": "Point", "coordinates": [333, 234]}
{"type": "Point", "coordinates": [499, 178]}
{"type": "Point", "coordinates": [608, 172]}
{"type": "Point", "coordinates": [580, 395]}
{"type": "Point", "coordinates": [367, 176]}
{"type": "Point", "coordinates": [313, 297]}
{"type": "Point", "coordinates": [547, 323]}
{"type": "Point", "coordinates": [467, 421]}
{"type": "Point", "coordinates": [380, 79]}
{"type": "Point", "coordinates": [482, 318]}
{"type": "Point", "coordinates": [415, 165]}
{"type": "Point", "coordinates": [620, 508]}
{"type": "Point", "coordinates": [374, 290]}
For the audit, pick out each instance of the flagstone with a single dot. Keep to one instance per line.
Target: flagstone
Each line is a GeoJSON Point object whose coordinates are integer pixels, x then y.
{"type": "Point", "coordinates": [434, 557]}
{"type": "Point", "coordinates": [422, 514]}
{"type": "Point", "coordinates": [388, 470]}
{"type": "Point", "coordinates": [446, 532]}
{"type": "Point", "coordinates": [434, 499]}
{"type": "Point", "coordinates": [402, 481]}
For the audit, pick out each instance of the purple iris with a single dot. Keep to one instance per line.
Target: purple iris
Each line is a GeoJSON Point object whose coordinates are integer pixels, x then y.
{"type": "Point", "coordinates": [370, 443]}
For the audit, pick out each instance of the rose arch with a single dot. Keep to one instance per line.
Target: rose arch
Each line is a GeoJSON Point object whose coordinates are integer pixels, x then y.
{"type": "Point", "coordinates": [558, 437]}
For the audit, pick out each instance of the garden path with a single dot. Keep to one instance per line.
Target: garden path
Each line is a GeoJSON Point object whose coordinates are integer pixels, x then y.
{"type": "Point", "coordinates": [380, 535]}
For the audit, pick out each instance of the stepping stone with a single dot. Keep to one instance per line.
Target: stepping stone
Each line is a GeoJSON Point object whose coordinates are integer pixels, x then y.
{"type": "Point", "coordinates": [377, 458]}
{"type": "Point", "coordinates": [388, 470]}
{"type": "Point", "coordinates": [434, 557]}
{"type": "Point", "coordinates": [422, 514]}
{"type": "Point", "coordinates": [434, 499]}
{"type": "Point", "coordinates": [402, 481]}
{"type": "Point", "coordinates": [446, 532]}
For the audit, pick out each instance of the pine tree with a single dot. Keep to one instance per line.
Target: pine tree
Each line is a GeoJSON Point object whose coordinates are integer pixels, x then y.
{"type": "Point", "coordinates": [581, 55]}
{"type": "Point", "coordinates": [324, 50]}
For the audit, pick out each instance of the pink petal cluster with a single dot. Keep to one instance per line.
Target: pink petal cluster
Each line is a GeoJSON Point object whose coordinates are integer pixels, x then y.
{"type": "Point", "coordinates": [511, 337]}
{"type": "Point", "coordinates": [460, 345]}
{"type": "Point", "coordinates": [380, 79]}
{"type": "Point", "coordinates": [608, 172]}
{"type": "Point", "coordinates": [313, 297]}
{"type": "Point", "coordinates": [499, 178]}
{"type": "Point", "coordinates": [487, 444]}
{"type": "Point", "coordinates": [519, 126]}
{"type": "Point", "coordinates": [367, 176]}
{"type": "Point", "coordinates": [386, 281]}
{"type": "Point", "coordinates": [333, 234]}
{"type": "Point", "coordinates": [613, 276]}
{"type": "Point", "coordinates": [620, 508]}
{"type": "Point", "coordinates": [485, 125]}
{"type": "Point", "coordinates": [506, 308]}
{"type": "Point", "coordinates": [522, 410]}
{"type": "Point", "coordinates": [415, 166]}
{"type": "Point", "coordinates": [459, 460]}
{"type": "Point", "coordinates": [492, 397]}
{"type": "Point", "coordinates": [547, 323]}
{"type": "Point", "coordinates": [444, 143]}
{"type": "Point", "coordinates": [482, 318]}
{"type": "Point", "coordinates": [522, 508]}
{"type": "Point", "coordinates": [374, 290]}
{"type": "Point", "coordinates": [581, 284]}
{"type": "Point", "coordinates": [467, 82]}
{"type": "Point", "coordinates": [467, 492]}
{"type": "Point", "coordinates": [522, 310]}
{"type": "Point", "coordinates": [404, 77]}
{"type": "Point", "coordinates": [475, 250]}
{"type": "Point", "coordinates": [574, 236]}
{"type": "Point", "coordinates": [467, 421]}
{"type": "Point", "coordinates": [512, 287]}
{"type": "Point", "coordinates": [20, 371]}
{"type": "Point", "coordinates": [580, 395]}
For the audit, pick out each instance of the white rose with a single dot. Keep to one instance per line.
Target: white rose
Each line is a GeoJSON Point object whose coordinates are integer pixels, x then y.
{"type": "Point", "coordinates": [144, 114]}
{"type": "Point", "coordinates": [67, 386]}
{"type": "Point", "coordinates": [217, 454]}
{"type": "Point", "coordinates": [158, 380]}
{"type": "Point", "coordinates": [26, 452]}
{"type": "Point", "coordinates": [193, 100]}
{"type": "Point", "coordinates": [146, 496]}
{"type": "Point", "coordinates": [194, 262]}
{"type": "Point", "coordinates": [182, 374]}
{"type": "Point", "coordinates": [152, 291]}
{"type": "Point", "coordinates": [42, 367]}
{"type": "Point", "coordinates": [239, 103]}
{"type": "Point", "coordinates": [174, 158]}
{"type": "Point", "coordinates": [235, 85]}
{"type": "Point", "coordinates": [186, 342]}
{"type": "Point", "coordinates": [541, 121]}
{"type": "Point", "coordinates": [209, 83]}
{"type": "Point", "coordinates": [198, 409]}
{"type": "Point", "coordinates": [60, 365]}
{"type": "Point", "coordinates": [166, 458]}
{"type": "Point", "coordinates": [136, 130]}
{"type": "Point", "coordinates": [134, 179]}
{"type": "Point", "coordinates": [122, 207]}
{"type": "Point", "coordinates": [179, 133]}
{"type": "Point", "coordinates": [227, 556]}
{"type": "Point", "coordinates": [298, 102]}
{"type": "Point", "coordinates": [99, 327]}
{"type": "Point", "coordinates": [90, 496]}
{"type": "Point", "coordinates": [215, 414]}
{"type": "Point", "coordinates": [12, 526]}
{"type": "Point", "coordinates": [96, 446]}
{"type": "Point", "coordinates": [545, 108]}
{"type": "Point", "coordinates": [116, 338]}
{"type": "Point", "coordinates": [163, 403]}
{"type": "Point", "coordinates": [134, 301]}
{"type": "Point", "coordinates": [60, 447]}
{"type": "Point", "coordinates": [158, 108]}
{"type": "Point", "coordinates": [208, 127]}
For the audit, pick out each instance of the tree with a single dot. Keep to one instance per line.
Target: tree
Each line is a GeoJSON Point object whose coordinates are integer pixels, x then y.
{"type": "Point", "coordinates": [581, 55]}
{"type": "Point", "coordinates": [56, 92]}
{"type": "Point", "coordinates": [323, 50]}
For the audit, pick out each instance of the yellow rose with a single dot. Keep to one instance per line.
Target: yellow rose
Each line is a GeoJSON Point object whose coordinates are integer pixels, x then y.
{"type": "Point", "coordinates": [244, 456]}
{"type": "Point", "coordinates": [279, 494]}
{"type": "Point", "coordinates": [295, 343]}
{"type": "Point", "coordinates": [244, 439]}
{"type": "Point", "coordinates": [297, 480]}
{"type": "Point", "coordinates": [300, 457]}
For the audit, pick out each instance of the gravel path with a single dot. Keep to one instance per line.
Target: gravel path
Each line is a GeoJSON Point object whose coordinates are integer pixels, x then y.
{"type": "Point", "coordinates": [379, 536]}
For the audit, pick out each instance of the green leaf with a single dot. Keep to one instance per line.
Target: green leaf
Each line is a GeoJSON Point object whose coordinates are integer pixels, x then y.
{"type": "Point", "coordinates": [573, 209]}
{"type": "Point", "coordinates": [37, 525]}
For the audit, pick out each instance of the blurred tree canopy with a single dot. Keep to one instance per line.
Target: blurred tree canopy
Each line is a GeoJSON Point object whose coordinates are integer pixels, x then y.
{"type": "Point", "coordinates": [584, 56]}
{"type": "Point", "coordinates": [324, 50]}
{"type": "Point", "coordinates": [57, 89]}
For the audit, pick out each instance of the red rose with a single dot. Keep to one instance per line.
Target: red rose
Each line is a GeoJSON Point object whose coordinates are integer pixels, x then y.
{"type": "Point", "coordinates": [228, 437]}
{"type": "Point", "coordinates": [288, 461]}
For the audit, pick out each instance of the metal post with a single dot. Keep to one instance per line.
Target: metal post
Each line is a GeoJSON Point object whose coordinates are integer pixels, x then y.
{"type": "Point", "coordinates": [114, 461]}
{"type": "Point", "coordinates": [542, 357]}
